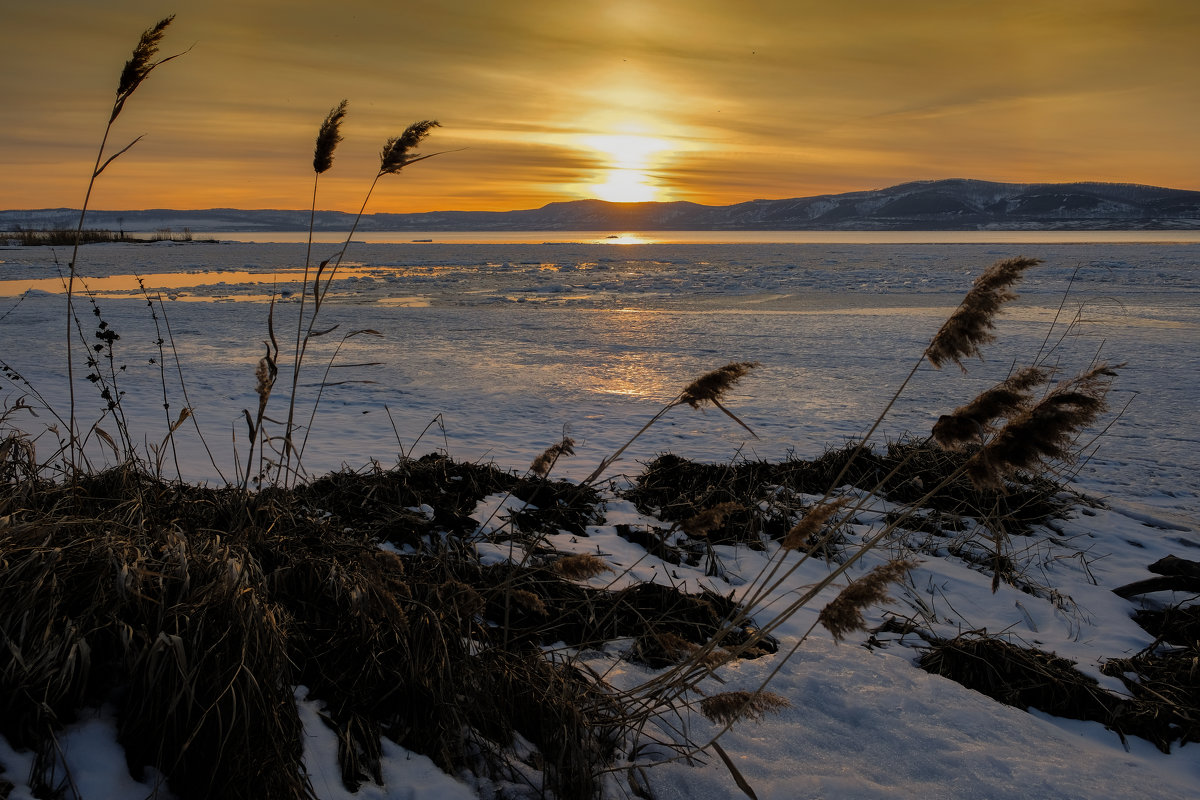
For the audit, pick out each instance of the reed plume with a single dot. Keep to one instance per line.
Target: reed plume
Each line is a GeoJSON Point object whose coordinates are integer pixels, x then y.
{"type": "Point", "coordinates": [712, 386]}
{"type": "Point", "coordinates": [328, 138]}
{"type": "Point", "coordinates": [141, 63]}
{"type": "Point", "coordinates": [549, 457]}
{"type": "Point", "coordinates": [1045, 431]}
{"type": "Point", "coordinates": [729, 707]}
{"type": "Point", "coordinates": [708, 388]}
{"type": "Point", "coordinates": [970, 423]}
{"type": "Point", "coordinates": [709, 519]}
{"type": "Point", "coordinates": [972, 323]}
{"type": "Point", "coordinates": [804, 532]}
{"type": "Point", "coordinates": [581, 566]}
{"type": "Point", "coordinates": [843, 615]}
{"type": "Point", "coordinates": [397, 151]}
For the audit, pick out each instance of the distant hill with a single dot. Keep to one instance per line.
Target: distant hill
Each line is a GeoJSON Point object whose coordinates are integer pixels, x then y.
{"type": "Point", "coordinates": [957, 204]}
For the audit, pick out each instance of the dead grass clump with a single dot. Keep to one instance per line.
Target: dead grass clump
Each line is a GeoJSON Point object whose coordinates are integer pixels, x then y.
{"type": "Point", "coordinates": [199, 611]}
{"type": "Point", "coordinates": [1163, 706]}
{"type": "Point", "coordinates": [566, 713]}
{"type": "Point", "coordinates": [1178, 625]}
{"type": "Point", "coordinates": [679, 490]}
{"type": "Point", "coordinates": [208, 680]}
{"type": "Point", "coordinates": [381, 502]}
{"type": "Point", "coordinates": [1022, 677]}
{"type": "Point", "coordinates": [1166, 690]}
{"type": "Point", "coordinates": [654, 540]}
{"type": "Point", "coordinates": [581, 616]}
{"type": "Point", "coordinates": [676, 489]}
{"type": "Point", "coordinates": [176, 630]}
{"type": "Point", "coordinates": [380, 642]}
{"type": "Point", "coordinates": [661, 648]}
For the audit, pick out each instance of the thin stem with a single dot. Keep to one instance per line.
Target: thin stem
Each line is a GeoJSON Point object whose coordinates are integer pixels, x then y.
{"type": "Point", "coordinates": [71, 423]}
{"type": "Point", "coordinates": [610, 460]}
{"type": "Point", "coordinates": [296, 354]}
{"type": "Point", "coordinates": [318, 299]}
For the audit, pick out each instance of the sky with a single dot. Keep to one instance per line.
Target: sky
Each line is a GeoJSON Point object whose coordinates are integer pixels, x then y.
{"type": "Point", "coordinates": [708, 101]}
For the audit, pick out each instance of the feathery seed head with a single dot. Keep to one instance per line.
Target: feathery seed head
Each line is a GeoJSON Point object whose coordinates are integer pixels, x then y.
{"type": "Point", "coordinates": [971, 422]}
{"type": "Point", "coordinates": [546, 461]}
{"type": "Point", "coordinates": [971, 324]}
{"type": "Point", "coordinates": [328, 138]}
{"type": "Point", "coordinates": [1044, 431]}
{"type": "Point", "coordinates": [397, 152]}
{"type": "Point", "coordinates": [712, 386]}
{"type": "Point", "coordinates": [804, 532]}
{"type": "Point", "coordinates": [709, 519]}
{"type": "Point", "coordinates": [729, 707]}
{"type": "Point", "coordinates": [843, 615]}
{"type": "Point", "coordinates": [141, 63]}
{"type": "Point", "coordinates": [581, 566]}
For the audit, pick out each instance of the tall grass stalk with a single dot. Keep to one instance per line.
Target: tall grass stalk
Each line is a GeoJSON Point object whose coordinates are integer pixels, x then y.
{"type": "Point", "coordinates": [397, 153]}
{"type": "Point", "coordinates": [136, 70]}
{"type": "Point", "coordinates": [329, 136]}
{"type": "Point", "coordinates": [1036, 433]}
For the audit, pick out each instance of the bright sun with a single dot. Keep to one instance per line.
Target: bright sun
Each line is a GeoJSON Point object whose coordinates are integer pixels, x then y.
{"type": "Point", "coordinates": [626, 177]}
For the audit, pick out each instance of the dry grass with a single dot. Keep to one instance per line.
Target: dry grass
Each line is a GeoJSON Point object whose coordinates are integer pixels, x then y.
{"type": "Point", "coordinates": [843, 615]}
{"type": "Point", "coordinates": [545, 462]}
{"type": "Point", "coordinates": [200, 610]}
{"type": "Point", "coordinates": [1163, 706]}
{"type": "Point", "coordinates": [730, 707]}
{"type": "Point", "coordinates": [1044, 432]}
{"type": "Point", "coordinates": [973, 321]}
{"type": "Point", "coordinates": [329, 136]}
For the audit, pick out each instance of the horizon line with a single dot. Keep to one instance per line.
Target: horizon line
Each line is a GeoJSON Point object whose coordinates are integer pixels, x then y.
{"type": "Point", "coordinates": [627, 203]}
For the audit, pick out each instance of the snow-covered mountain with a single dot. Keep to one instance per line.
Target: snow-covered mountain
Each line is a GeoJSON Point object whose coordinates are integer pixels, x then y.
{"type": "Point", "coordinates": [957, 204]}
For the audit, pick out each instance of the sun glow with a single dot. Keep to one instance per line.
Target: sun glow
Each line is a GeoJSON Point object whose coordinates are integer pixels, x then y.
{"type": "Point", "coordinates": [628, 176]}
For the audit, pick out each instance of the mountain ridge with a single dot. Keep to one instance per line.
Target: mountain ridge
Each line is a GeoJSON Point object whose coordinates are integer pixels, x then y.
{"type": "Point", "coordinates": [946, 204]}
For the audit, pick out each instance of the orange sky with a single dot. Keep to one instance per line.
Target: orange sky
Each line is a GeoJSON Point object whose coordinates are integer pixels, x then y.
{"type": "Point", "coordinates": [710, 101]}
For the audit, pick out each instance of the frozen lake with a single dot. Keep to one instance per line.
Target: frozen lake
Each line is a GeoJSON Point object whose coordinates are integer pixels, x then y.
{"type": "Point", "coordinates": [505, 344]}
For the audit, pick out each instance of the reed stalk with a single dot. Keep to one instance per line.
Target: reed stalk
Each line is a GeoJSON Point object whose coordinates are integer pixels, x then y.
{"type": "Point", "coordinates": [136, 70]}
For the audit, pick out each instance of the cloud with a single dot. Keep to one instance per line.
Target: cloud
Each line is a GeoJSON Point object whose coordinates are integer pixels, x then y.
{"type": "Point", "coordinates": [790, 96]}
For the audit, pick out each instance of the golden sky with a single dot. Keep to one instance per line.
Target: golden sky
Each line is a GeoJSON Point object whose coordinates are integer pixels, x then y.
{"type": "Point", "coordinates": [712, 101]}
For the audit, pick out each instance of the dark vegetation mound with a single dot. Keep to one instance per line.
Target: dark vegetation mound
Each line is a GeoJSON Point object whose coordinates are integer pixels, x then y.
{"type": "Point", "coordinates": [1163, 704]}
{"type": "Point", "coordinates": [676, 489]}
{"type": "Point", "coordinates": [199, 611]}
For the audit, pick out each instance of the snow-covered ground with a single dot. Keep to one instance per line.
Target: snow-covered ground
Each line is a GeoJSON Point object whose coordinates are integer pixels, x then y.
{"type": "Point", "coordinates": [503, 346]}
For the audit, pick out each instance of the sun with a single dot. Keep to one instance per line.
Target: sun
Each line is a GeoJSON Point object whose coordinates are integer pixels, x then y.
{"type": "Point", "coordinates": [627, 174]}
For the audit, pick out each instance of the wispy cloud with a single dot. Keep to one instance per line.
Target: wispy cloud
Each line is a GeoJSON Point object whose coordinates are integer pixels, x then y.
{"type": "Point", "coordinates": [774, 100]}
